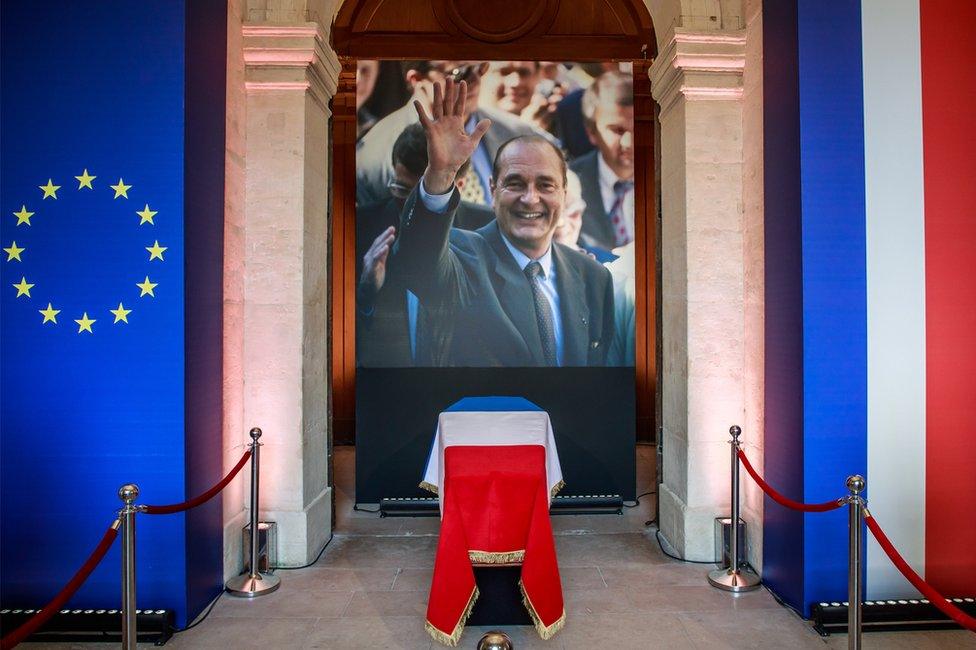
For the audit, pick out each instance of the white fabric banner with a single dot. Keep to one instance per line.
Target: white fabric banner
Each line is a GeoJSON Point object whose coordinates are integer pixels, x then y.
{"type": "Point", "coordinates": [492, 428]}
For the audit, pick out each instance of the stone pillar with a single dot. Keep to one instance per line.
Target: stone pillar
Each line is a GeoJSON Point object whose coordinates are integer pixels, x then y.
{"type": "Point", "coordinates": [290, 75]}
{"type": "Point", "coordinates": [697, 80]}
{"type": "Point", "coordinates": [235, 430]}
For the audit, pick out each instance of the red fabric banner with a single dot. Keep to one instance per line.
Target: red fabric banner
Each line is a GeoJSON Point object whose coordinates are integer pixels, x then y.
{"type": "Point", "coordinates": [949, 142]}
{"type": "Point", "coordinates": [934, 597]}
{"type": "Point", "coordinates": [496, 511]}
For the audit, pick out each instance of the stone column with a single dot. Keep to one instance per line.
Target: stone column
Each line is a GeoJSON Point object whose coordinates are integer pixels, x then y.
{"type": "Point", "coordinates": [290, 75]}
{"type": "Point", "coordinates": [697, 80]}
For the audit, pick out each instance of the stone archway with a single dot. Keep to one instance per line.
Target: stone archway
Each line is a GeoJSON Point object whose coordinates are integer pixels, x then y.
{"type": "Point", "coordinates": [281, 75]}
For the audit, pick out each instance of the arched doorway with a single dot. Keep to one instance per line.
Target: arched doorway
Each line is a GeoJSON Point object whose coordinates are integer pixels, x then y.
{"type": "Point", "coordinates": [595, 30]}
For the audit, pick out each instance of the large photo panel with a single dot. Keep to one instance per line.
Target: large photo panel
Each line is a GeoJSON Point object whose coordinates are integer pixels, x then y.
{"type": "Point", "coordinates": [454, 295]}
{"type": "Point", "coordinates": [521, 256]}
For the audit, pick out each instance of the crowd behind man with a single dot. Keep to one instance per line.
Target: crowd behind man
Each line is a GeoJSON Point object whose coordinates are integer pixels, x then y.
{"type": "Point", "coordinates": [578, 117]}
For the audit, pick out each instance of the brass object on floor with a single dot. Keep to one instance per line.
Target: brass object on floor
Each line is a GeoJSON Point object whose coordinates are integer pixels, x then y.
{"type": "Point", "coordinates": [495, 641]}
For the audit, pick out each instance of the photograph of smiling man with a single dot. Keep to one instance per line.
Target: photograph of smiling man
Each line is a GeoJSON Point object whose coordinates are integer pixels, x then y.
{"type": "Point", "coordinates": [480, 241]}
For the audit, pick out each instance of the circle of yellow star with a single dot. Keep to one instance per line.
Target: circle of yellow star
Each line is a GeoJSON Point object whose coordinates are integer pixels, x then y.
{"type": "Point", "coordinates": [120, 190]}
{"type": "Point", "coordinates": [50, 314]}
{"type": "Point", "coordinates": [84, 323]}
{"type": "Point", "coordinates": [23, 287]}
{"type": "Point", "coordinates": [147, 287]}
{"type": "Point", "coordinates": [23, 216]}
{"type": "Point", "coordinates": [85, 180]}
{"type": "Point", "coordinates": [13, 253]}
{"type": "Point", "coordinates": [156, 251]}
{"type": "Point", "coordinates": [50, 190]}
{"type": "Point", "coordinates": [121, 314]}
{"type": "Point", "coordinates": [147, 215]}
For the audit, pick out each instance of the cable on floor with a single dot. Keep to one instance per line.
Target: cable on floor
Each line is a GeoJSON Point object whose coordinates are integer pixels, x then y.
{"type": "Point", "coordinates": [200, 619]}
{"type": "Point", "coordinates": [637, 500]}
{"type": "Point", "coordinates": [317, 557]}
{"type": "Point", "coordinates": [657, 534]}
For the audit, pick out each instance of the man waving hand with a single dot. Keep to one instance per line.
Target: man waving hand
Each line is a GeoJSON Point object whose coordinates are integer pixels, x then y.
{"type": "Point", "coordinates": [508, 294]}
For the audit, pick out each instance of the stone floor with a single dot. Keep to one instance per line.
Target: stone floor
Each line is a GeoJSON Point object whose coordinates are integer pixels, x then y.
{"type": "Point", "coordinates": [369, 590]}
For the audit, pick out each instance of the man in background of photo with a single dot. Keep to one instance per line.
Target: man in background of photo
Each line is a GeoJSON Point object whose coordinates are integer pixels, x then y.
{"type": "Point", "coordinates": [607, 173]}
{"type": "Point", "coordinates": [571, 221]}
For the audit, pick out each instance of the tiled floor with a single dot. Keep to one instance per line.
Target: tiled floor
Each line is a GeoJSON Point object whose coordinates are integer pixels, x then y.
{"type": "Point", "coordinates": [369, 590]}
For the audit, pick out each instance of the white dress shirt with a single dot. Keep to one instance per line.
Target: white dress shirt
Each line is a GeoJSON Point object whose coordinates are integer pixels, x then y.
{"type": "Point", "coordinates": [607, 180]}
{"type": "Point", "coordinates": [438, 203]}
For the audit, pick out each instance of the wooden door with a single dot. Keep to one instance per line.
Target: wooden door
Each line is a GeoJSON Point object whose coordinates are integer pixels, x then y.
{"type": "Point", "coordinates": [343, 257]}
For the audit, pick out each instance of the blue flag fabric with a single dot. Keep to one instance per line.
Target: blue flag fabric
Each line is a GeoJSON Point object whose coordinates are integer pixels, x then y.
{"type": "Point", "coordinates": [91, 193]}
{"type": "Point", "coordinates": [494, 403]}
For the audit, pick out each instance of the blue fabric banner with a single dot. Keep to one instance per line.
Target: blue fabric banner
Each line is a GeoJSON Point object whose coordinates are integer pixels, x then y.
{"type": "Point", "coordinates": [92, 293]}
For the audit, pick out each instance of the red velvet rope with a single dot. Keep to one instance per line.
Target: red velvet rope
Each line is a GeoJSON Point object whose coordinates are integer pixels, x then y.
{"type": "Point", "coordinates": [203, 498]}
{"type": "Point", "coordinates": [64, 595]}
{"type": "Point", "coordinates": [785, 501]}
{"type": "Point", "coordinates": [925, 588]}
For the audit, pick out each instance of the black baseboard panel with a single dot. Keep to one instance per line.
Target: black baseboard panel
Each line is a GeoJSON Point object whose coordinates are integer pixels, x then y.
{"type": "Point", "coordinates": [69, 625]}
{"type": "Point", "coordinates": [593, 413]}
{"type": "Point", "coordinates": [889, 615]}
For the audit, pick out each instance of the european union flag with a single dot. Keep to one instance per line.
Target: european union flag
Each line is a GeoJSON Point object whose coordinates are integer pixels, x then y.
{"type": "Point", "coordinates": [92, 292]}
{"type": "Point", "coordinates": [82, 248]}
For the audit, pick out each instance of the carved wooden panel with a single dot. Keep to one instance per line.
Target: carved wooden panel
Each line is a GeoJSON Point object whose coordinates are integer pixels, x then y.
{"type": "Point", "coordinates": [495, 29]}
{"type": "Point", "coordinates": [493, 23]}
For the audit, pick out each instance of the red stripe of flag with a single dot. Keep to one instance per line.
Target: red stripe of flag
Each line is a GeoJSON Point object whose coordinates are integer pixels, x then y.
{"type": "Point", "coordinates": [949, 138]}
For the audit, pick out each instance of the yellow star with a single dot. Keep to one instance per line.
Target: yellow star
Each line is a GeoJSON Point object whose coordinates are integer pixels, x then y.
{"type": "Point", "coordinates": [50, 314]}
{"type": "Point", "coordinates": [84, 323]}
{"type": "Point", "coordinates": [23, 216]}
{"type": "Point", "coordinates": [147, 287]}
{"type": "Point", "coordinates": [85, 180]}
{"type": "Point", "coordinates": [23, 287]}
{"type": "Point", "coordinates": [120, 190]}
{"type": "Point", "coordinates": [50, 190]}
{"type": "Point", "coordinates": [120, 314]}
{"type": "Point", "coordinates": [13, 253]}
{"type": "Point", "coordinates": [147, 215]}
{"type": "Point", "coordinates": [156, 251]}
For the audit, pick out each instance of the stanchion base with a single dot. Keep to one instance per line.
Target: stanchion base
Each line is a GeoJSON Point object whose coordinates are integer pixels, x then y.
{"type": "Point", "coordinates": [248, 586]}
{"type": "Point", "coordinates": [741, 580]}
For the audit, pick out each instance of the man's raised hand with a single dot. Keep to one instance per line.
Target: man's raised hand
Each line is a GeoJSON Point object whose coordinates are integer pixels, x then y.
{"type": "Point", "coordinates": [448, 144]}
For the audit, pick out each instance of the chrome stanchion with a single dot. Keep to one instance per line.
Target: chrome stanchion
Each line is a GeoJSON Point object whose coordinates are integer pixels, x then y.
{"type": "Point", "coordinates": [735, 578]}
{"type": "Point", "coordinates": [855, 562]}
{"type": "Point", "coordinates": [128, 493]}
{"type": "Point", "coordinates": [254, 583]}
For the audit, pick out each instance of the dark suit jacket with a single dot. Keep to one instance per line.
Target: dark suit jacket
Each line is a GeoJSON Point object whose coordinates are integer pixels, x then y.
{"type": "Point", "coordinates": [572, 128]}
{"type": "Point", "coordinates": [471, 280]}
{"type": "Point", "coordinates": [382, 326]}
{"type": "Point", "coordinates": [597, 230]}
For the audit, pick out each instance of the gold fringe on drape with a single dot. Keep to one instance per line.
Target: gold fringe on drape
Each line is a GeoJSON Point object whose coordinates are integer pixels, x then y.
{"type": "Point", "coordinates": [555, 488]}
{"type": "Point", "coordinates": [545, 633]}
{"type": "Point", "coordinates": [424, 485]}
{"type": "Point", "coordinates": [496, 557]}
{"type": "Point", "coordinates": [455, 636]}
